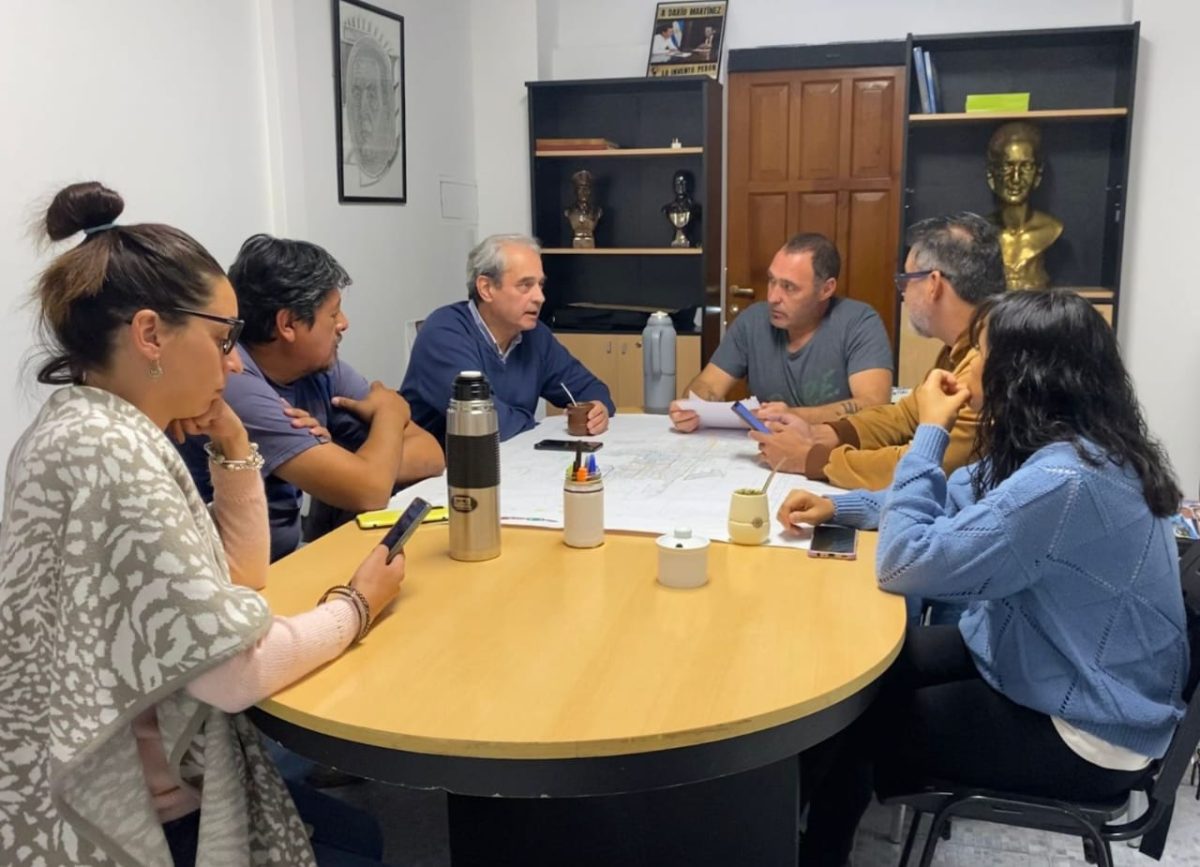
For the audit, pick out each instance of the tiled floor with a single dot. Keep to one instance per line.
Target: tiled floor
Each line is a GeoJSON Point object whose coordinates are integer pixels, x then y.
{"type": "Point", "coordinates": [415, 832]}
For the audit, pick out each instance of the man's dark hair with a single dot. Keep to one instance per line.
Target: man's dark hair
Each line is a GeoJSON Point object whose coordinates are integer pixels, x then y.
{"type": "Point", "coordinates": [826, 263]}
{"type": "Point", "coordinates": [1052, 373]}
{"type": "Point", "coordinates": [273, 274]}
{"type": "Point", "coordinates": [965, 247]}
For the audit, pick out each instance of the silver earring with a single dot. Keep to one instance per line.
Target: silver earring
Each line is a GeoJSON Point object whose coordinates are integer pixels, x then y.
{"type": "Point", "coordinates": [155, 369]}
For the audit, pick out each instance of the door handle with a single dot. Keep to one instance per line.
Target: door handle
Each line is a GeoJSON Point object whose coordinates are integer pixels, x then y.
{"type": "Point", "coordinates": [741, 291]}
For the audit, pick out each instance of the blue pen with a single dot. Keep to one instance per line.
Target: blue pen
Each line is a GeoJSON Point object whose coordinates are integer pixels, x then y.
{"type": "Point", "coordinates": [592, 469]}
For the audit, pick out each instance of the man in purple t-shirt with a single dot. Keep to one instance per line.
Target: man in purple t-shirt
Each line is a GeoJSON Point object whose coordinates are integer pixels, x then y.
{"type": "Point", "coordinates": [320, 427]}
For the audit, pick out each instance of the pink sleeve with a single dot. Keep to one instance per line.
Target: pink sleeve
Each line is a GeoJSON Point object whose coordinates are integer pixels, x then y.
{"type": "Point", "coordinates": [240, 512]}
{"type": "Point", "coordinates": [291, 648]}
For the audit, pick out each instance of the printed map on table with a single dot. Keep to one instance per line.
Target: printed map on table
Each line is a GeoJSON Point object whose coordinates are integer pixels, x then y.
{"type": "Point", "coordinates": [654, 479]}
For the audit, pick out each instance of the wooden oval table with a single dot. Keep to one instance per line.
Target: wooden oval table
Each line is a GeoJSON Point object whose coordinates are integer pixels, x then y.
{"type": "Point", "coordinates": [617, 720]}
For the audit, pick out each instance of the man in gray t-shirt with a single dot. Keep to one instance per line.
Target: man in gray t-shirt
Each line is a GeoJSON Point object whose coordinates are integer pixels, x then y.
{"type": "Point", "coordinates": [803, 351]}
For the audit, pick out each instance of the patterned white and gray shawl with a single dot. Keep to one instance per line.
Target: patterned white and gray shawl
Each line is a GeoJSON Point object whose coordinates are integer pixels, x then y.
{"type": "Point", "coordinates": [114, 593]}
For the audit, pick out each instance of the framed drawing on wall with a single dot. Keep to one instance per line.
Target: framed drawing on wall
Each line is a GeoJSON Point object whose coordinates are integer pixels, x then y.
{"type": "Point", "coordinates": [368, 57]}
{"type": "Point", "coordinates": [687, 39]}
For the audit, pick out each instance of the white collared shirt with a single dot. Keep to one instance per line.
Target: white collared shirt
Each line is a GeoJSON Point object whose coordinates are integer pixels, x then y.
{"type": "Point", "coordinates": [503, 353]}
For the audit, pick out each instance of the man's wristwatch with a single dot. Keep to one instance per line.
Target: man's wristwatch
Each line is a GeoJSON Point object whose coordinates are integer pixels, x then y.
{"type": "Point", "coordinates": [253, 462]}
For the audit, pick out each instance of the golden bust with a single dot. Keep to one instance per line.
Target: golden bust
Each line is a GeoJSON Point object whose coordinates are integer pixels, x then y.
{"type": "Point", "coordinates": [1014, 170]}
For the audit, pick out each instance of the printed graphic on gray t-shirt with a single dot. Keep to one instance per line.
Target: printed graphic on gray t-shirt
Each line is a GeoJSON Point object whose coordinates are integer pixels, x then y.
{"type": "Point", "coordinates": [849, 340]}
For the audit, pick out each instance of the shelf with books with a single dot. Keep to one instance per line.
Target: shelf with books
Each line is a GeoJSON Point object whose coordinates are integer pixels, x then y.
{"type": "Point", "coordinates": [1067, 114]}
{"type": "Point", "coordinates": [1080, 84]}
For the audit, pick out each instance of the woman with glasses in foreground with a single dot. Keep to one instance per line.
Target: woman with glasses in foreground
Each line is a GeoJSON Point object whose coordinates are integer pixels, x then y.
{"type": "Point", "coordinates": [1063, 678]}
{"type": "Point", "coordinates": [130, 637]}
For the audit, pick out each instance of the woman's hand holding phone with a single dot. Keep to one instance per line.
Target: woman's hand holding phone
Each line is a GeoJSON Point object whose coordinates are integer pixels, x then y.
{"type": "Point", "coordinates": [379, 580]}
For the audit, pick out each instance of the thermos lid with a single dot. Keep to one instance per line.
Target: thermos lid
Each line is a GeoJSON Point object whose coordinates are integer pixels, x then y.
{"type": "Point", "coordinates": [660, 315]}
{"type": "Point", "coordinates": [471, 385]}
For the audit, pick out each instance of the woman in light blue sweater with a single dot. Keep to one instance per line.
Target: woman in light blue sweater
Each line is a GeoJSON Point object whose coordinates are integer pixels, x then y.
{"type": "Point", "coordinates": [1063, 677]}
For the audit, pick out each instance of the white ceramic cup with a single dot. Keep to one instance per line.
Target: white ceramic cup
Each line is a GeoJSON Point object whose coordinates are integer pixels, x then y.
{"type": "Point", "coordinates": [749, 517]}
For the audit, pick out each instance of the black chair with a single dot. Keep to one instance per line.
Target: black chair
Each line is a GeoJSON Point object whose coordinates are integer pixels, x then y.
{"type": "Point", "coordinates": [1093, 822]}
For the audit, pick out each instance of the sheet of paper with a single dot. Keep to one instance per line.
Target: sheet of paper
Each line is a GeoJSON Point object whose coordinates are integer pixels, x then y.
{"type": "Point", "coordinates": [717, 413]}
{"type": "Point", "coordinates": [655, 479]}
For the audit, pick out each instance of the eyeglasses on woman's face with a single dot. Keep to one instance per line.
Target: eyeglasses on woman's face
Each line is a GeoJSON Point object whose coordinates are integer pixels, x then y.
{"type": "Point", "coordinates": [235, 326]}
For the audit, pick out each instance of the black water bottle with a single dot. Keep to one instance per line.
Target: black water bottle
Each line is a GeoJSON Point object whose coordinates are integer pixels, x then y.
{"type": "Point", "coordinates": [473, 469]}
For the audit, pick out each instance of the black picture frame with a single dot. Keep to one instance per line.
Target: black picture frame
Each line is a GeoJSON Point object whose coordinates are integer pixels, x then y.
{"type": "Point", "coordinates": [696, 42]}
{"type": "Point", "coordinates": [369, 107]}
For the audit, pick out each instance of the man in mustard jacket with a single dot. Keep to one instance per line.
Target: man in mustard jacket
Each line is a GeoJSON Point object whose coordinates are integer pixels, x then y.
{"type": "Point", "coordinates": [953, 263]}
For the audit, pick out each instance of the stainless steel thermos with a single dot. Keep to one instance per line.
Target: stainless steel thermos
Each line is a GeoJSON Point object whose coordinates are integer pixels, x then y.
{"type": "Point", "coordinates": [473, 469]}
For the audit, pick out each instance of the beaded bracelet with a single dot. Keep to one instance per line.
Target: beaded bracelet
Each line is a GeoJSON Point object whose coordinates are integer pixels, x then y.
{"type": "Point", "coordinates": [253, 461]}
{"type": "Point", "coordinates": [345, 591]}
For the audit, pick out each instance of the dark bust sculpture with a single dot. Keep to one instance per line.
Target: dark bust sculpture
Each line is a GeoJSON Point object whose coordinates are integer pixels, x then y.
{"type": "Point", "coordinates": [681, 209]}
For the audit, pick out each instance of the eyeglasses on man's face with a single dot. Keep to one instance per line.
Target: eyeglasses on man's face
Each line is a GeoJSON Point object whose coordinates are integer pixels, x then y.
{"type": "Point", "coordinates": [235, 326]}
{"type": "Point", "coordinates": [903, 278]}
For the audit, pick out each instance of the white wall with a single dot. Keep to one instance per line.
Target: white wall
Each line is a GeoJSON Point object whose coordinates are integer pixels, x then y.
{"type": "Point", "coordinates": [612, 39]}
{"type": "Point", "coordinates": [1160, 313]}
{"type": "Point", "coordinates": [504, 50]}
{"type": "Point", "coordinates": [405, 260]}
{"type": "Point", "coordinates": [158, 100]}
{"type": "Point", "coordinates": [218, 116]}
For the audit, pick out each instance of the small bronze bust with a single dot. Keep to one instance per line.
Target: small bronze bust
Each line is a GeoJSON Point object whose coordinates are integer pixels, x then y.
{"type": "Point", "coordinates": [1014, 170]}
{"type": "Point", "coordinates": [584, 214]}
{"type": "Point", "coordinates": [681, 209]}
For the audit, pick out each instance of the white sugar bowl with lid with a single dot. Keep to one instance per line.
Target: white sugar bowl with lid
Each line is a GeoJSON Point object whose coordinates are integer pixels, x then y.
{"type": "Point", "coordinates": [682, 559]}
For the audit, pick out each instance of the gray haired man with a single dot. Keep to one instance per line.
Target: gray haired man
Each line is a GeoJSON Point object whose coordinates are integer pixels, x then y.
{"type": "Point", "coordinates": [497, 331]}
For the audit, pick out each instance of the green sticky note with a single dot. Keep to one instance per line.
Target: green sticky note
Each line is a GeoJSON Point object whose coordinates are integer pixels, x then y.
{"type": "Point", "coordinates": [997, 102]}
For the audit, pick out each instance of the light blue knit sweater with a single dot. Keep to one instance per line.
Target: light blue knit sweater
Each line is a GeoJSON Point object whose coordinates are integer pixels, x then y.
{"type": "Point", "coordinates": [1074, 602]}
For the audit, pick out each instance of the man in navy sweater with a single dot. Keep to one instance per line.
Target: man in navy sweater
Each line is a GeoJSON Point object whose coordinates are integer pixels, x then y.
{"type": "Point", "coordinates": [497, 331]}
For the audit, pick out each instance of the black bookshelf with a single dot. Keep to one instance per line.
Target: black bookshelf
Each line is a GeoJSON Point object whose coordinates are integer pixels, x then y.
{"type": "Point", "coordinates": [1081, 83]}
{"type": "Point", "coordinates": [633, 264]}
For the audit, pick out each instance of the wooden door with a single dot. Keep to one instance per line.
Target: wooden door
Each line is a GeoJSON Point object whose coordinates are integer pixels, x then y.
{"type": "Point", "coordinates": [815, 151]}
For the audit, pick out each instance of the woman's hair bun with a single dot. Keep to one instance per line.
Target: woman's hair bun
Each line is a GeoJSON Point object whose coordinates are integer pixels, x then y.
{"type": "Point", "coordinates": [82, 206]}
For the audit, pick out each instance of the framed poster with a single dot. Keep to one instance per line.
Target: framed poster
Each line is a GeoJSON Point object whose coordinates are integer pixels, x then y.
{"type": "Point", "coordinates": [687, 39]}
{"type": "Point", "coordinates": [368, 56]}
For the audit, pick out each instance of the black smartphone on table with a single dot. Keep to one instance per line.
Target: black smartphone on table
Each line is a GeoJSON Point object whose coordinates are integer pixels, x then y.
{"type": "Point", "coordinates": [568, 445]}
{"type": "Point", "coordinates": [748, 417]}
{"type": "Point", "coordinates": [833, 540]}
{"type": "Point", "coordinates": [405, 526]}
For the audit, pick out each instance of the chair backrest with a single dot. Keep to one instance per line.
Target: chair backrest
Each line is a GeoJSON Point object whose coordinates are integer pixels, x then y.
{"type": "Point", "coordinates": [1189, 579]}
{"type": "Point", "coordinates": [1187, 734]}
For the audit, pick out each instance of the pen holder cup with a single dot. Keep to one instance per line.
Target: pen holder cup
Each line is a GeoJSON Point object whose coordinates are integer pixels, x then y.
{"type": "Point", "coordinates": [682, 559]}
{"type": "Point", "coordinates": [577, 414]}
{"type": "Point", "coordinates": [749, 517]}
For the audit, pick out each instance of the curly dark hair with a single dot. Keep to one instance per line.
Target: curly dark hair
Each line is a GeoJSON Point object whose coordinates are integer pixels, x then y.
{"type": "Point", "coordinates": [1053, 374]}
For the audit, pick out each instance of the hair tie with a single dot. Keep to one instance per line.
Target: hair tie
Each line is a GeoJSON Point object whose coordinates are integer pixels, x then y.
{"type": "Point", "coordinates": [94, 229]}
